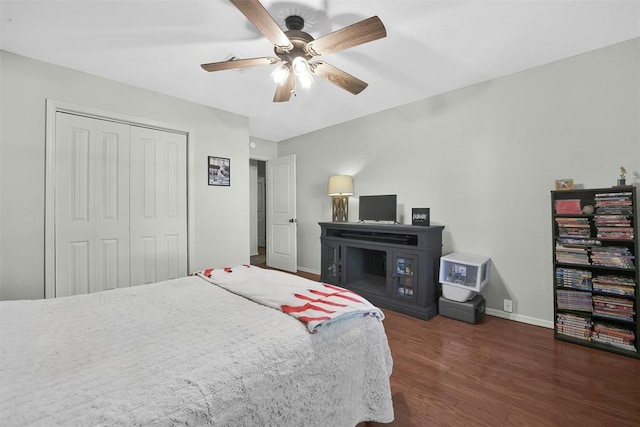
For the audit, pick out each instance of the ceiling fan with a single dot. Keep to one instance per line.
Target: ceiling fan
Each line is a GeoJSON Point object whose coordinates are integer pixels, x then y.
{"type": "Point", "coordinates": [295, 48]}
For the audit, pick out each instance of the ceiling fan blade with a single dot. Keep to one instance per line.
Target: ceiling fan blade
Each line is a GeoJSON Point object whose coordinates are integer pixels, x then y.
{"type": "Point", "coordinates": [258, 15]}
{"type": "Point", "coordinates": [338, 77]}
{"type": "Point", "coordinates": [359, 33]}
{"type": "Point", "coordinates": [239, 63]}
{"type": "Point", "coordinates": [283, 92]}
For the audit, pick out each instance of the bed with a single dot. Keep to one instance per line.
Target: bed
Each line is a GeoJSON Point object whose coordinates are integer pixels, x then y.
{"type": "Point", "coordinates": [188, 352]}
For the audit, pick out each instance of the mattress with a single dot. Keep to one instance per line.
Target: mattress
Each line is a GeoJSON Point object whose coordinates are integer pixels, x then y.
{"type": "Point", "coordinates": [186, 352]}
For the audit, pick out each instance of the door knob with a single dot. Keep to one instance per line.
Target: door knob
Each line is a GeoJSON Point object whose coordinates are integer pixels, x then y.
{"type": "Point", "coordinates": [292, 220]}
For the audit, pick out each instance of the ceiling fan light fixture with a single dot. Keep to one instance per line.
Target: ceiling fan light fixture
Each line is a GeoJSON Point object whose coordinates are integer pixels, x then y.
{"type": "Point", "coordinates": [300, 65]}
{"type": "Point", "coordinates": [305, 80]}
{"type": "Point", "coordinates": [280, 74]}
{"type": "Point", "coordinates": [302, 70]}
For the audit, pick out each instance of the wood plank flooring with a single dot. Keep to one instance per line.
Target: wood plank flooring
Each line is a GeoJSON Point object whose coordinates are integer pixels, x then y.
{"type": "Point", "coordinates": [501, 372]}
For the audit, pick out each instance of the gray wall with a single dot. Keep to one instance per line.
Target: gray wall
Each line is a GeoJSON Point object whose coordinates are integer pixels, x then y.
{"type": "Point", "coordinates": [219, 217]}
{"type": "Point", "coordinates": [484, 159]}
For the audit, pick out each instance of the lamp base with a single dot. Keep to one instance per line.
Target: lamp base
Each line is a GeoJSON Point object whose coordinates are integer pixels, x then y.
{"type": "Point", "coordinates": [340, 209]}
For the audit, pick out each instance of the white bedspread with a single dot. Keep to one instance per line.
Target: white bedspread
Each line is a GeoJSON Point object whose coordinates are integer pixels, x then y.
{"type": "Point", "coordinates": [185, 352]}
{"type": "Point", "coordinates": [315, 304]}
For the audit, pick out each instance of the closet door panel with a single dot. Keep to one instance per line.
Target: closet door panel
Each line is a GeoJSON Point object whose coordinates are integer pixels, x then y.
{"type": "Point", "coordinates": [91, 205]}
{"type": "Point", "coordinates": [158, 205]}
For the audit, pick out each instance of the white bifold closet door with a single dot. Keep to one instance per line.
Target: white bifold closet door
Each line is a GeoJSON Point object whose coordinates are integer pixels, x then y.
{"type": "Point", "coordinates": [120, 205]}
{"type": "Point", "coordinates": [158, 207]}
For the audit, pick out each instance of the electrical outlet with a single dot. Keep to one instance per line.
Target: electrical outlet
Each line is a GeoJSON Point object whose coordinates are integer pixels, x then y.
{"type": "Point", "coordinates": [508, 305]}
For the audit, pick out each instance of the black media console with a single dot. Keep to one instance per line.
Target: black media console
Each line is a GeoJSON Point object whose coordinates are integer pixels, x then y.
{"type": "Point", "coordinates": [394, 266]}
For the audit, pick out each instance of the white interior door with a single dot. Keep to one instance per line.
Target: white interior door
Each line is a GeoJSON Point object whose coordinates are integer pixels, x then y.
{"type": "Point", "coordinates": [158, 205]}
{"type": "Point", "coordinates": [91, 205]}
{"type": "Point", "coordinates": [282, 251]}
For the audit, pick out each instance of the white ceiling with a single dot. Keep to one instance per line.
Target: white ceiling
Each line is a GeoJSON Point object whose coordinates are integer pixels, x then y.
{"type": "Point", "coordinates": [431, 47]}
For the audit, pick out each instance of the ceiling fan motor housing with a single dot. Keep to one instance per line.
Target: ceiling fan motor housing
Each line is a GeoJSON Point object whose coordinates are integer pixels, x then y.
{"type": "Point", "coordinates": [299, 39]}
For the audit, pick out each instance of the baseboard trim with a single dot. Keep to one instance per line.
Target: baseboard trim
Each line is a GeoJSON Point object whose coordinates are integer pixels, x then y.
{"type": "Point", "coordinates": [519, 318]}
{"type": "Point", "coordinates": [309, 270]}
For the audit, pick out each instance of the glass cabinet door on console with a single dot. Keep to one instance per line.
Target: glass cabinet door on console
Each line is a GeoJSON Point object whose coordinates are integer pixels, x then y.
{"type": "Point", "coordinates": [405, 277]}
{"type": "Point", "coordinates": [331, 263]}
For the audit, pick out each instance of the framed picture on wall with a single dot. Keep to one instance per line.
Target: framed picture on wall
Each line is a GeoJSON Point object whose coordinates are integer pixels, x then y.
{"type": "Point", "coordinates": [219, 171]}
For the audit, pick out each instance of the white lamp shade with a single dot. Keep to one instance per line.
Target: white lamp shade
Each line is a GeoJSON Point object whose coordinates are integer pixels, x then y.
{"type": "Point", "coordinates": [340, 185]}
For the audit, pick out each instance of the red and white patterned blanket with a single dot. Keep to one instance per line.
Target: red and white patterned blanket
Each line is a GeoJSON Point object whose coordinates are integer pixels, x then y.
{"type": "Point", "coordinates": [313, 303]}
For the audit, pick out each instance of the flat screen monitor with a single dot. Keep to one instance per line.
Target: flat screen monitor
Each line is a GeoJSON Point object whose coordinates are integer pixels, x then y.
{"type": "Point", "coordinates": [378, 208]}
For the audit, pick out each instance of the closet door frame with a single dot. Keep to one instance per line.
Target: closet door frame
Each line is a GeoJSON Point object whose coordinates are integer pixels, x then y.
{"type": "Point", "coordinates": [54, 106]}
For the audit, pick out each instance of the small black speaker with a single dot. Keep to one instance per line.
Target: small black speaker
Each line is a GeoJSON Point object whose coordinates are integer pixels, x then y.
{"type": "Point", "coordinates": [420, 216]}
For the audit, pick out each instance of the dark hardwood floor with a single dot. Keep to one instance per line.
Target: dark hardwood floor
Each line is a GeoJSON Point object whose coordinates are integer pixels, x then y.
{"type": "Point", "coordinates": [501, 372]}
{"type": "Point", "coordinates": [261, 258]}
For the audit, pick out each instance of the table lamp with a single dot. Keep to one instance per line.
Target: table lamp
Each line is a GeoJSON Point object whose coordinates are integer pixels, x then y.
{"type": "Point", "coordinates": [340, 187]}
